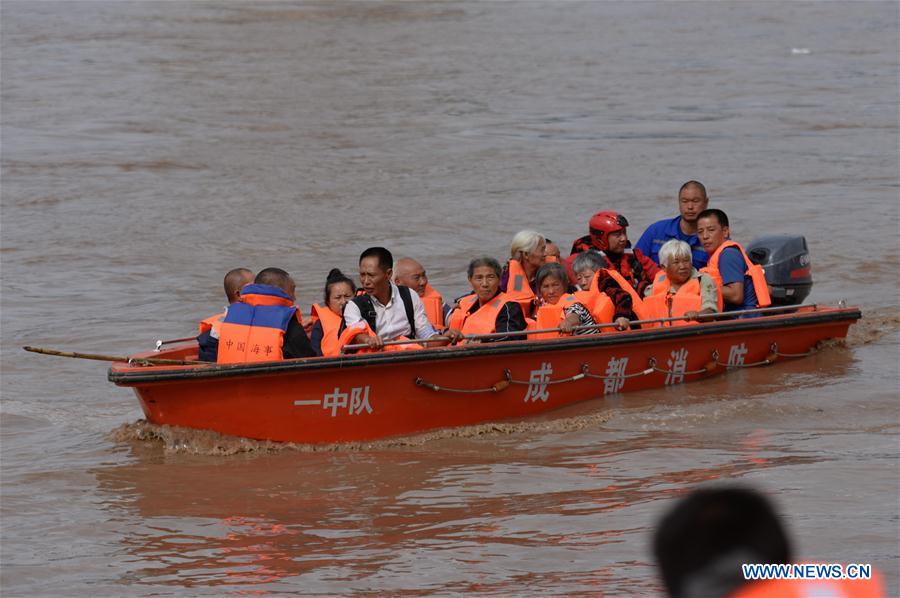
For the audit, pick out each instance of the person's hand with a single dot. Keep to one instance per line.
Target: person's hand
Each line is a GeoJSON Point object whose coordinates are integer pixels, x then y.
{"type": "Point", "coordinates": [454, 335]}
{"type": "Point", "coordinates": [622, 323]}
{"type": "Point", "coordinates": [569, 323]}
{"type": "Point", "coordinates": [375, 343]}
{"type": "Point", "coordinates": [691, 315]}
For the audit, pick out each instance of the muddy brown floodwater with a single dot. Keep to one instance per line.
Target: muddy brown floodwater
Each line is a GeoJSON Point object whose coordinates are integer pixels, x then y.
{"type": "Point", "coordinates": [148, 147]}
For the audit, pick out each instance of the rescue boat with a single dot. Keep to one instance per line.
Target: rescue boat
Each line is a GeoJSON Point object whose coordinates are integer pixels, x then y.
{"type": "Point", "coordinates": [377, 395]}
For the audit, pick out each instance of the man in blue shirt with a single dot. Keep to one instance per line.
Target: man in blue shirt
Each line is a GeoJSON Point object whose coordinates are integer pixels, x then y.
{"type": "Point", "coordinates": [692, 200]}
{"type": "Point", "coordinates": [726, 261]}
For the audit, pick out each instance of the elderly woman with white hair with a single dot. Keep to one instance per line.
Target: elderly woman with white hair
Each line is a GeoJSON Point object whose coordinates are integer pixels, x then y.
{"type": "Point", "coordinates": [680, 291]}
{"type": "Point", "coordinates": [527, 253]}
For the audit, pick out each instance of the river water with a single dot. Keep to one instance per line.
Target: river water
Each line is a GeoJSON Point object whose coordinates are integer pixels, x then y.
{"type": "Point", "coordinates": [148, 147]}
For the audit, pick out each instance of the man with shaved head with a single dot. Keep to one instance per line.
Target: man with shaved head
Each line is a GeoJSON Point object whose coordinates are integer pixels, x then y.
{"type": "Point", "coordinates": [234, 281]}
{"type": "Point", "coordinates": [410, 273]}
{"type": "Point", "coordinates": [209, 328]}
{"type": "Point", "coordinates": [692, 200]}
{"type": "Point", "coordinates": [264, 325]}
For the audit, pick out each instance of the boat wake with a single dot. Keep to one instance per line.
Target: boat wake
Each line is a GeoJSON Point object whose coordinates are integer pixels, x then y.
{"type": "Point", "coordinates": [176, 439]}
{"type": "Point", "coordinates": [875, 324]}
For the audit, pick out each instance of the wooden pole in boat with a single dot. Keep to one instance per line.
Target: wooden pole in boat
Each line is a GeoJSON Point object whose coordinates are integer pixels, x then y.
{"type": "Point", "coordinates": [495, 335]}
{"type": "Point", "coordinates": [95, 357]}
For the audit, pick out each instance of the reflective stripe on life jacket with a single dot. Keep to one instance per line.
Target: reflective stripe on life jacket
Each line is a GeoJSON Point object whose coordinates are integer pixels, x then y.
{"type": "Point", "coordinates": [254, 327]}
{"type": "Point", "coordinates": [754, 271]}
{"type": "Point", "coordinates": [810, 588]}
{"type": "Point", "coordinates": [637, 304]}
{"type": "Point", "coordinates": [662, 304]}
{"type": "Point", "coordinates": [434, 307]}
{"type": "Point", "coordinates": [331, 323]}
{"type": "Point", "coordinates": [483, 321]}
{"type": "Point", "coordinates": [211, 323]}
{"type": "Point", "coordinates": [518, 288]}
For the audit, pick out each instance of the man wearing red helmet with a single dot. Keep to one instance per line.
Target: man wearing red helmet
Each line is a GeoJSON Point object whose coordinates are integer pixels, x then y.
{"type": "Point", "coordinates": [607, 234]}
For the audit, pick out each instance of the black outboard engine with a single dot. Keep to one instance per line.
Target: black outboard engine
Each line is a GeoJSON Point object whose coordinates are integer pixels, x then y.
{"type": "Point", "coordinates": [785, 259]}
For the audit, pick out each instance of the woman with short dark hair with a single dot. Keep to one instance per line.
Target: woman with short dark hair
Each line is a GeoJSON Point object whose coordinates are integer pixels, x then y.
{"type": "Point", "coordinates": [487, 309]}
{"type": "Point", "coordinates": [339, 289]}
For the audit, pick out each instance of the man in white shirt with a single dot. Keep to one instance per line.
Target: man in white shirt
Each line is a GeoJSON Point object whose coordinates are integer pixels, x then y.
{"type": "Point", "coordinates": [390, 310]}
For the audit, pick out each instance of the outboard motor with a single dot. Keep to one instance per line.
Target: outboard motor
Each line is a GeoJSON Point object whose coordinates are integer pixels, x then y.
{"type": "Point", "coordinates": [785, 260]}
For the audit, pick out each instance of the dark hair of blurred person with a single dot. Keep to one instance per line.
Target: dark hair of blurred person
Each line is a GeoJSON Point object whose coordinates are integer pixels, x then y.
{"type": "Point", "coordinates": [701, 543]}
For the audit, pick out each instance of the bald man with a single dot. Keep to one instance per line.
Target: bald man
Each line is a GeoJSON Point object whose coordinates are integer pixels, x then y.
{"type": "Point", "coordinates": [234, 281]}
{"type": "Point", "coordinates": [410, 273]}
{"type": "Point", "coordinates": [209, 328]}
{"type": "Point", "coordinates": [265, 325]}
{"type": "Point", "coordinates": [692, 200]}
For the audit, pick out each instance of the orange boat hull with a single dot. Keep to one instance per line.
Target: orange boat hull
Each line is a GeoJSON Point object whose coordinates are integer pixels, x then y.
{"type": "Point", "coordinates": [365, 397]}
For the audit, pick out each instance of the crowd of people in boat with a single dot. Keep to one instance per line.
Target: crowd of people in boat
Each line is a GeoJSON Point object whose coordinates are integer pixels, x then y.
{"type": "Point", "coordinates": [681, 269]}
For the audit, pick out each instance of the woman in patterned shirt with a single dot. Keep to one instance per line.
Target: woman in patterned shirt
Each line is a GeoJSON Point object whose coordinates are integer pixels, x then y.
{"type": "Point", "coordinates": [553, 284]}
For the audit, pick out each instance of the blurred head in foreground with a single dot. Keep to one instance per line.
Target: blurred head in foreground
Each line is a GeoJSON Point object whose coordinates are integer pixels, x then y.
{"type": "Point", "coordinates": [701, 543]}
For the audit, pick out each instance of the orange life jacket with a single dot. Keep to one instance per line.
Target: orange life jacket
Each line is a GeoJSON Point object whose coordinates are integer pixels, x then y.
{"type": "Point", "coordinates": [212, 322]}
{"type": "Point", "coordinates": [637, 304]}
{"type": "Point", "coordinates": [755, 271]}
{"type": "Point", "coordinates": [599, 304]}
{"type": "Point", "coordinates": [483, 321]}
{"type": "Point", "coordinates": [804, 588]}
{"type": "Point", "coordinates": [331, 323]}
{"type": "Point", "coordinates": [434, 307]}
{"type": "Point", "coordinates": [348, 337]}
{"type": "Point", "coordinates": [518, 289]}
{"type": "Point", "coordinates": [662, 304]}
{"type": "Point", "coordinates": [550, 316]}
{"type": "Point", "coordinates": [254, 327]}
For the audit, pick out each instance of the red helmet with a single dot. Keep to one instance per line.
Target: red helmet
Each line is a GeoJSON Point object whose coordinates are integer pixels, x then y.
{"type": "Point", "coordinates": [604, 223]}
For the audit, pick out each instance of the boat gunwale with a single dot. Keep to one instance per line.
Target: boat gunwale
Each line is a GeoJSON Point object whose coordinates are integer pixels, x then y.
{"type": "Point", "coordinates": [134, 376]}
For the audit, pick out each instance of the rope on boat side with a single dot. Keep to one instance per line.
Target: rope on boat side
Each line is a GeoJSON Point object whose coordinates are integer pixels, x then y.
{"type": "Point", "coordinates": [745, 365]}
{"type": "Point", "coordinates": [586, 372]}
{"type": "Point", "coordinates": [770, 358]}
{"type": "Point", "coordinates": [646, 372]}
{"type": "Point", "coordinates": [774, 348]}
{"type": "Point", "coordinates": [493, 388]}
{"type": "Point", "coordinates": [578, 376]}
{"type": "Point", "coordinates": [653, 368]}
